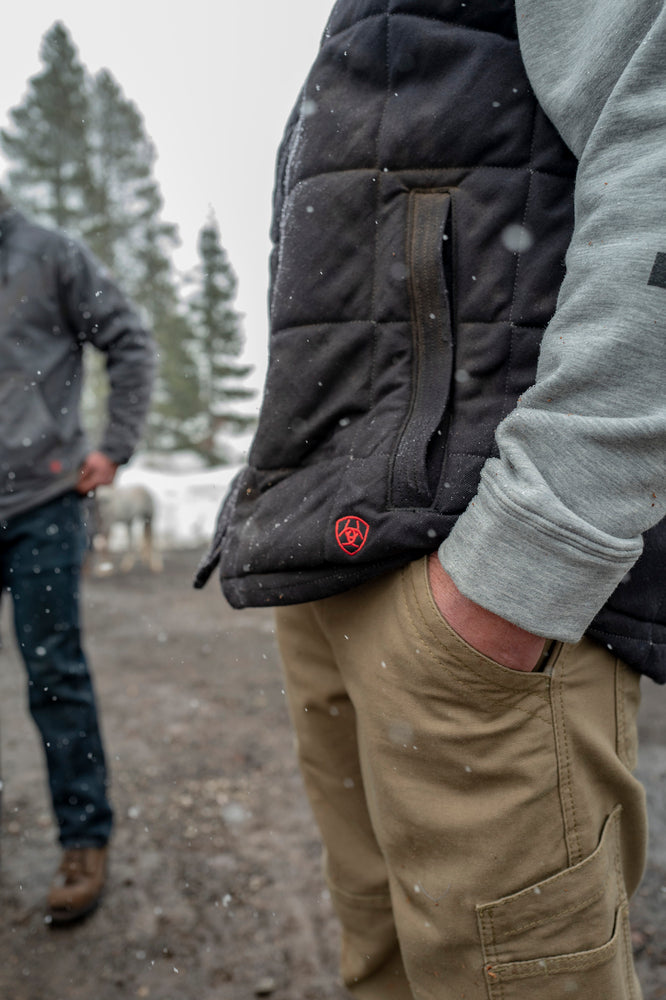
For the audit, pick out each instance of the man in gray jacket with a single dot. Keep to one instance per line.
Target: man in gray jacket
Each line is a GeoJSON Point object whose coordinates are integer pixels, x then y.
{"type": "Point", "coordinates": [54, 298]}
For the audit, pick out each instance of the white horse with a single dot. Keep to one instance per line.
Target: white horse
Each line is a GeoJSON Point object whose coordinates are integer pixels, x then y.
{"type": "Point", "coordinates": [125, 505]}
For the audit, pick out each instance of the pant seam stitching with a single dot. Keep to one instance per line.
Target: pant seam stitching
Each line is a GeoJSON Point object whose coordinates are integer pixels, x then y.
{"type": "Point", "coordinates": [567, 796]}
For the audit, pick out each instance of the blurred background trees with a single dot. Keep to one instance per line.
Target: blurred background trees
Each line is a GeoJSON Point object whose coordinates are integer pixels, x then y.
{"type": "Point", "coordinates": [80, 160]}
{"type": "Point", "coordinates": [218, 343]}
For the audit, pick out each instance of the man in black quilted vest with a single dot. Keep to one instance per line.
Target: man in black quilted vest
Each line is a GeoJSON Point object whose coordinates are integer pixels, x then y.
{"type": "Point", "coordinates": [456, 492]}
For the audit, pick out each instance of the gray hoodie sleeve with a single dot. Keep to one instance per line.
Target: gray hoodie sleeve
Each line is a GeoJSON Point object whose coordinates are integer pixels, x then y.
{"type": "Point", "coordinates": [559, 516]}
{"type": "Point", "coordinates": [100, 314]}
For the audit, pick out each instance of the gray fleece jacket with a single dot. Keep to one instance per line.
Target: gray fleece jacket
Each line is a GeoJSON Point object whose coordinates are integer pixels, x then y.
{"type": "Point", "coordinates": [54, 298]}
{"type": "Point", "coordinates": [559, 516]}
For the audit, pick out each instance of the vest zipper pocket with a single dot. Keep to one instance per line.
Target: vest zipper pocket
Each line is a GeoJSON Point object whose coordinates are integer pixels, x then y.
{"type": "Point", "coordinates": [419, 454]}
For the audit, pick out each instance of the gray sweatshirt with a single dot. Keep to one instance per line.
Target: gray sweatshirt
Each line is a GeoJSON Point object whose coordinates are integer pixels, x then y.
{"type": "Point", "coordinates": [55, 297]}
{"type": "Point", "coordinates": [559, 516]}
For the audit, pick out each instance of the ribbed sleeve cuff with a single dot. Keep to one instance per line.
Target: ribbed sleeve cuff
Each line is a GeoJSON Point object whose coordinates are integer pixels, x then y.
{"type": "Point", "coordinates": [118, 452]}
{"type": "Point", "coordinates": [549, 579]}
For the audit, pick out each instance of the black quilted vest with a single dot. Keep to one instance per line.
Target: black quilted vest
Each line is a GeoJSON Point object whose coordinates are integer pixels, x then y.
{"type": "Point", "coordinates": [423, 209]}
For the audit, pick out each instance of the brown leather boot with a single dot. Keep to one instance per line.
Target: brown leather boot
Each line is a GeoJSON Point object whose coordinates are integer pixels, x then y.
{"type": "Point", "coordinates": [78, 884]}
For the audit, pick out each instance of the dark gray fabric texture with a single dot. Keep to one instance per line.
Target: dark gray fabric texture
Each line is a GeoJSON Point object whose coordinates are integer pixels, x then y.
{"type": "Point", "coordinates": [54, 298]}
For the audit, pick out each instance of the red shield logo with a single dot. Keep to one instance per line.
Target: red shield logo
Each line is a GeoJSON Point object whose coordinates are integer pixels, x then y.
{"type": "Point", "coordinates": [351, 534]}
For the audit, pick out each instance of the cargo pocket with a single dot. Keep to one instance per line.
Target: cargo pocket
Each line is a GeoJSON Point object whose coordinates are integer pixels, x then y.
{"type": "Point", "coordinates": [565, 936]}
{"type": "Point", "coordinates": [419, 454]}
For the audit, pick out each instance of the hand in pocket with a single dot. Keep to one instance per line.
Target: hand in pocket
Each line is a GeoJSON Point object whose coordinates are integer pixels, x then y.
{"type": "Point", "coordinates": [486, 632]}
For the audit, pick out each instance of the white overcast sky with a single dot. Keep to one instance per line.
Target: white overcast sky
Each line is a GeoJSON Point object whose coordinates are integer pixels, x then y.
{"type": "Point", "coordinates": [215, 81]}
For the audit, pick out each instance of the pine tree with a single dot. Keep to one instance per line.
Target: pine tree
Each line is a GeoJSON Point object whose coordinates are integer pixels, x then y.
{"type": "Point", "coordinates": [48, 138]}
{"type": "Point", "coordinates": [174, 419]}
{"type": "Point", "coordinates": [218, 344]}
{"type": "Point", "coordinates": [81, 160]}
{"type": "Point", "coordinates": [121, 158]}
{"type": "Point", "coordinates": [176, 399]}
{"type": "Point", "coordinates": [123, 199]}
{"type": "Point", "coordinates": [127, 204]}
{"type": "Point", "coordinates": [127, 231]}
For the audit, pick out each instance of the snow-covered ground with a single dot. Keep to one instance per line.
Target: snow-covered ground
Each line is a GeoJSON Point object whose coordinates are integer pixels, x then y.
{"type": "Point", "coordinates": [187, 498]}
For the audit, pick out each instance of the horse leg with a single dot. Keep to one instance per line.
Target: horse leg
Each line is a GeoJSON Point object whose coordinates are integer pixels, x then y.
{"type": "Point", "coordinates": [100, 554]}
{"type": "Point", "coordinates": [129, 556]}
{"type": "Point", "coordinates": [151, 556]}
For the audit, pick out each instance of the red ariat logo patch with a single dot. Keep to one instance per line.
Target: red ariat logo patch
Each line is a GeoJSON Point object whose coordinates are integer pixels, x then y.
{"type": "Point", "coordinates": [351, 534]}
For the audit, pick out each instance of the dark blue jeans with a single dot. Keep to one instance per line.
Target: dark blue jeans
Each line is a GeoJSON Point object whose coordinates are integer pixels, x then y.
{"type": "Point", "coordinates": [41, 552]}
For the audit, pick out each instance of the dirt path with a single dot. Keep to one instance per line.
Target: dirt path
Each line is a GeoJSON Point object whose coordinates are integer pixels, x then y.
{"type": "Point", "coordinates": [215, 888]}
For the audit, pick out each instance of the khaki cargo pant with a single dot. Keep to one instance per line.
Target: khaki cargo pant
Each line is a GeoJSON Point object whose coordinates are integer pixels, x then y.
{"type": "Point", "coordinates": [482, 826]}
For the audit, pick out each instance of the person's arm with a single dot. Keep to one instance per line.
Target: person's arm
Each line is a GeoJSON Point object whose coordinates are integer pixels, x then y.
{"type": "Point", "coordinates": [99, 313]}
{"type": "Point", "coordinates": [558, 518]}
